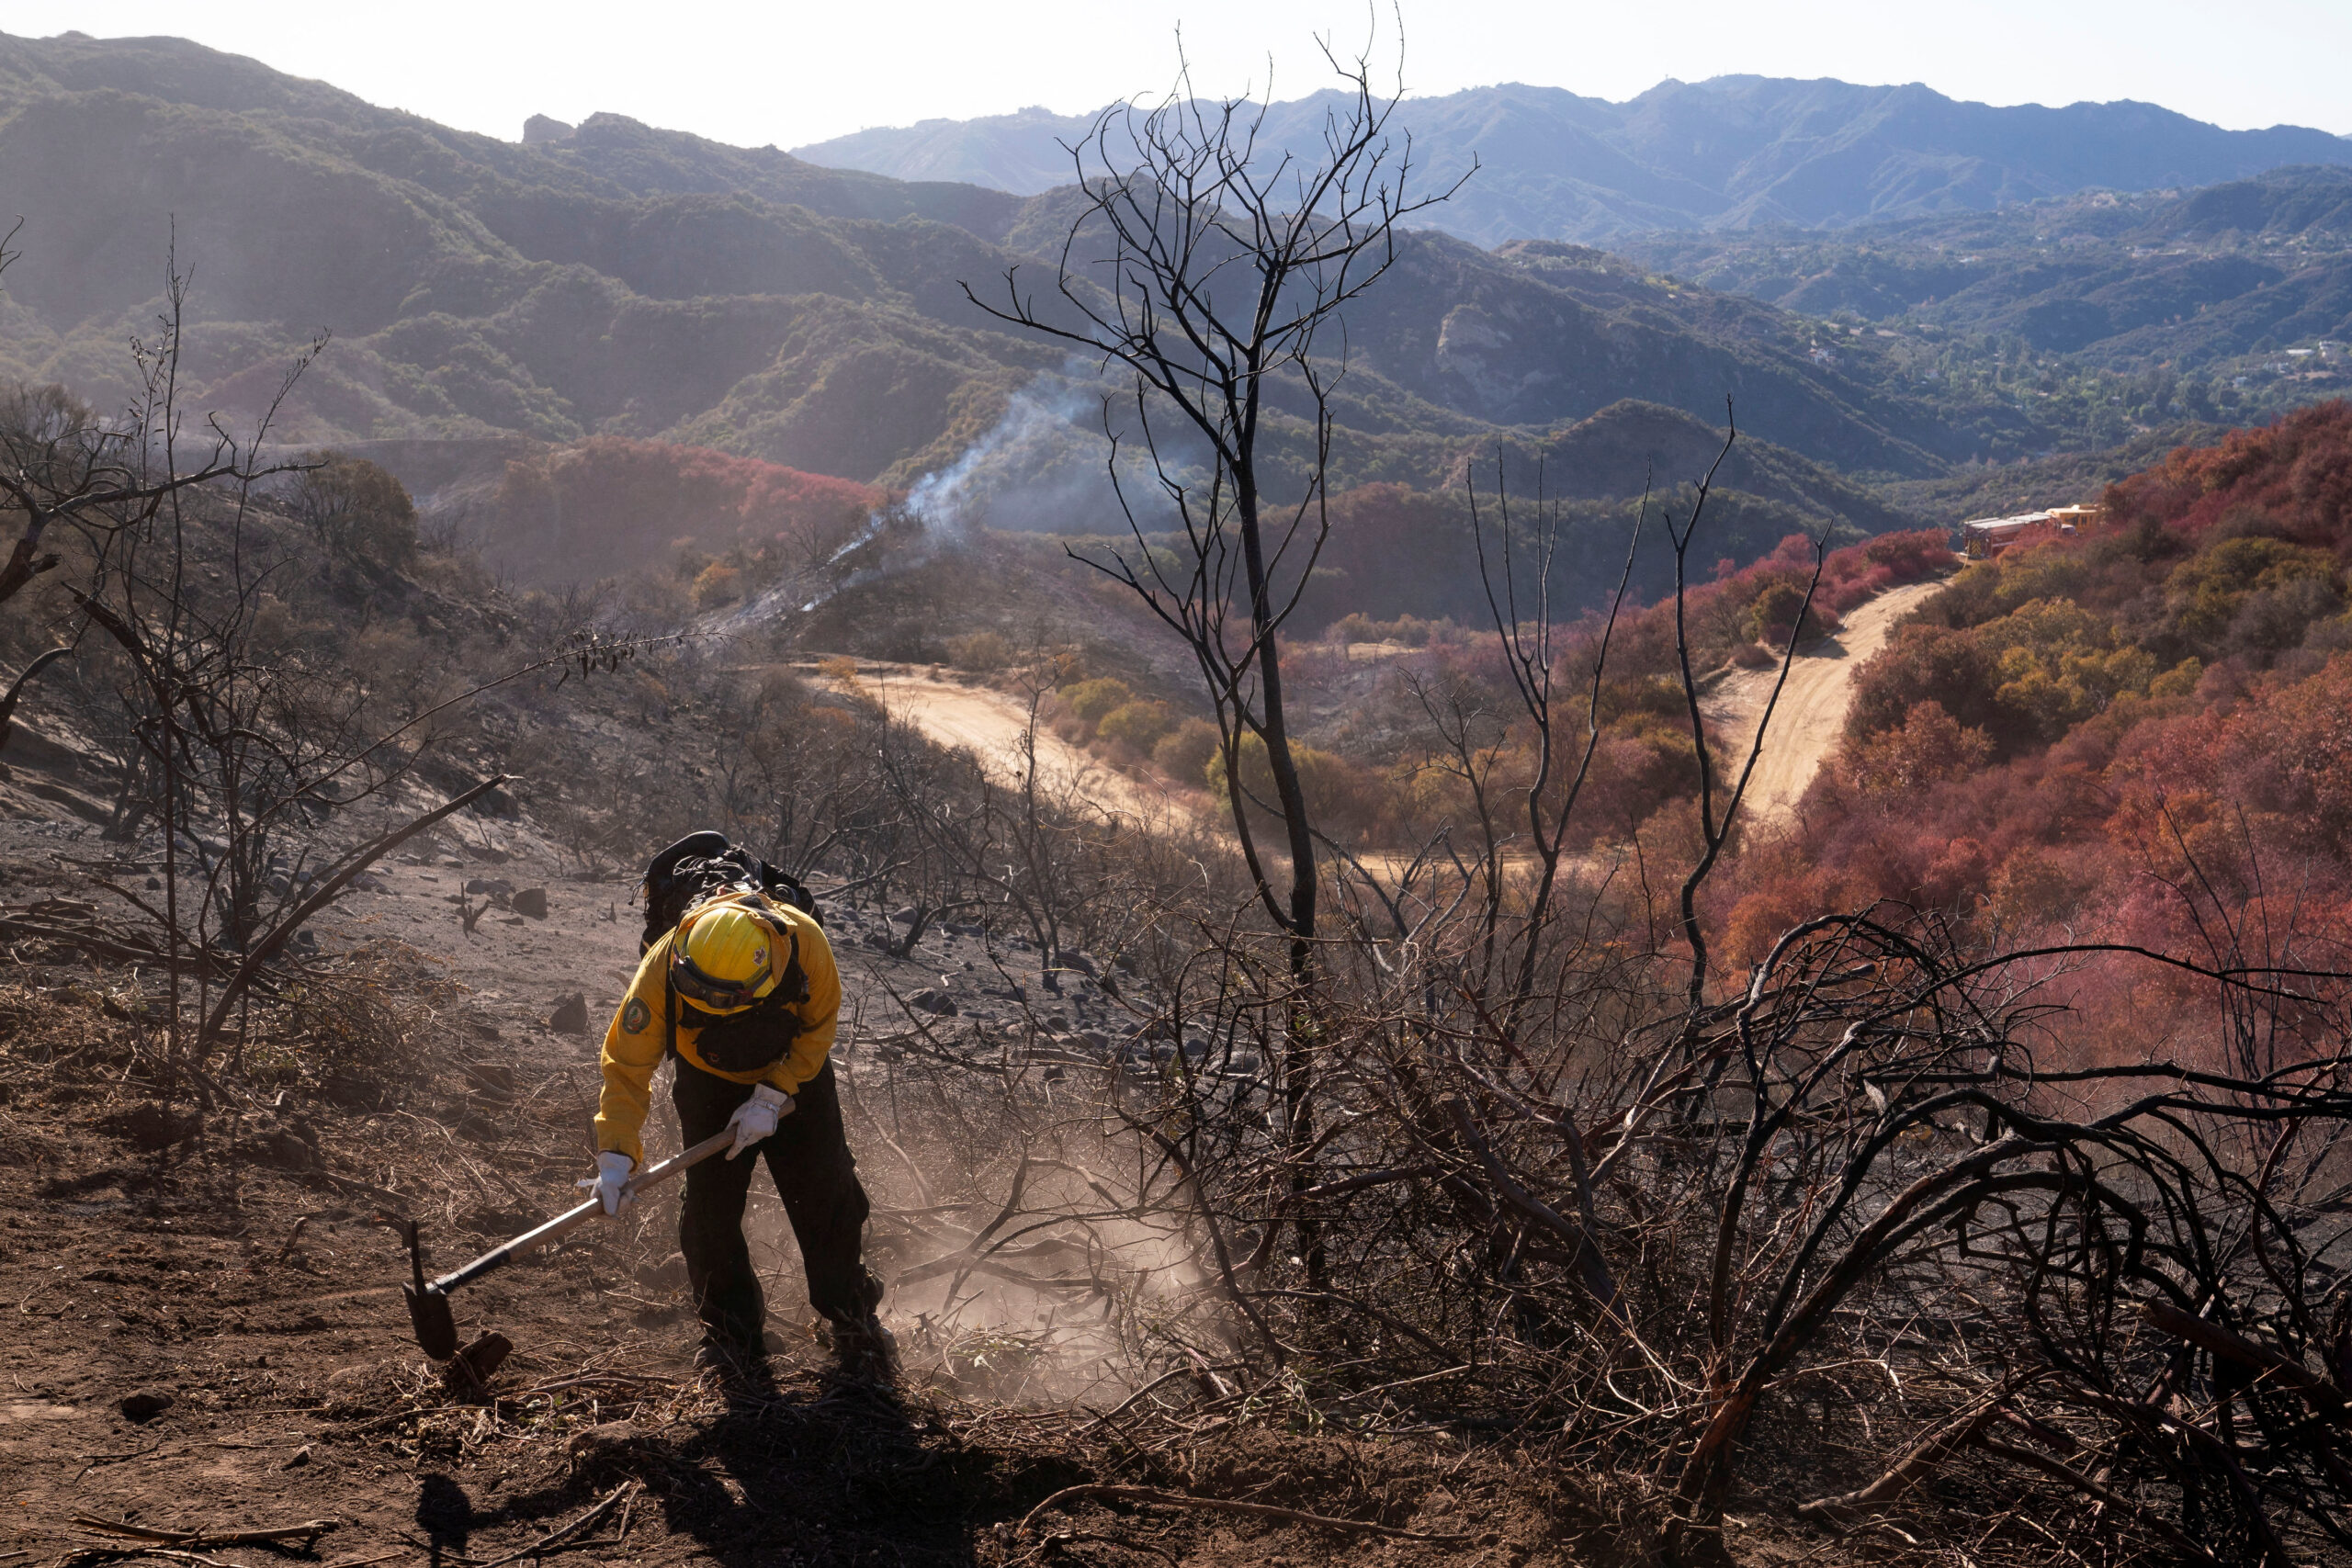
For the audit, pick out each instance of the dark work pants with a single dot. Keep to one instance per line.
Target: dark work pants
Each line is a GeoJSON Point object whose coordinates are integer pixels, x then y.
{"type": "Point", "coordinates": [809, 1161]}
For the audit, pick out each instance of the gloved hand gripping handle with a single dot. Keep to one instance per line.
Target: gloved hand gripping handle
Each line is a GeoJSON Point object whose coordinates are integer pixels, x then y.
{"type": "Point", "coordinates": [436, 1328]}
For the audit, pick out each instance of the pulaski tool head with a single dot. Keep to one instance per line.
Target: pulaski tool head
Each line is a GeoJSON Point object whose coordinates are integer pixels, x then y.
{"type": "Point", "coordinates": [428, 1308]}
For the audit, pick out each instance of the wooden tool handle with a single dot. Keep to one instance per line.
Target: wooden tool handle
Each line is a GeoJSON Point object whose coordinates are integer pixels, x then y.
{"type": "Point", "coordinates": [570, 1220]}
{"type": "Point", "coordinates": [655, 1175]}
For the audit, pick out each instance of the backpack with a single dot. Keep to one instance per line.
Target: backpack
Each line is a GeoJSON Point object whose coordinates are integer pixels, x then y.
{"type": "Point", "coordinates": [701, 867]}
{"type": "Point", "coordinates": [705, 865]}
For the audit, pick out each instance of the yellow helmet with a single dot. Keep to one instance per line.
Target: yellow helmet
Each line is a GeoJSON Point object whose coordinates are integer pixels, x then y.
{"type": "Point", "coordinates": [724, 958]}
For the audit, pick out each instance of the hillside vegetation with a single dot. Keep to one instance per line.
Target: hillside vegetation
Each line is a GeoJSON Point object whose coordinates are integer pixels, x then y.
{"type": "Point", "coordinates": [2138, 733]}
{"type": "Point", "coordinates": [2219, 303]}
{"type": "Point", "coordinates": [617, 280]}
{"type": "Point", "coordinates": [609, 506]}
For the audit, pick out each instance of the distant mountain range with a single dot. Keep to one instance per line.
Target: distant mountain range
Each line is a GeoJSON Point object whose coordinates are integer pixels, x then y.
{"type": "Point", "coordinates": [614, 279]}
{"type": "Point", "coordinates": [1733, 152]}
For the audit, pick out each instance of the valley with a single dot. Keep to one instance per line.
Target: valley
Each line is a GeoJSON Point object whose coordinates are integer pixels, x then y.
{"type": "Point", "coordinates": [621, 282]}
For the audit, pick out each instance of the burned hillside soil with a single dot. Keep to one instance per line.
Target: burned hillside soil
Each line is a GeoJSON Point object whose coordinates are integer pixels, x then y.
{"type": "Point", "coordinates": [208, 1332]}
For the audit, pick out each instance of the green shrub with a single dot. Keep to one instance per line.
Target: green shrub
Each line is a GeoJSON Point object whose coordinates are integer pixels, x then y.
{"type": "Point", "coordinates": [717, 585]}
{"type": "Point", "coordinates": [359, 511]}
{"type": "Point", "coordinates": [1411, 630]}
{"type": "Point", "coordinates": [980, 652]}
{"type": "Point", "coordinates": [1343, 798]}
{"type": "Point", "coordinates": [1775, 609]}
{"type": "Point", "coordinates": [1091, 700]}
{"type": "Point", "coordinates": [1189, 752]}
{"type": "Point", "coordinates": [1140, 724]}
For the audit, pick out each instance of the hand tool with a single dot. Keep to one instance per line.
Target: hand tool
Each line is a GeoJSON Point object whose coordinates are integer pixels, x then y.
{"type": "Point", "coordinates": [428, 1304]}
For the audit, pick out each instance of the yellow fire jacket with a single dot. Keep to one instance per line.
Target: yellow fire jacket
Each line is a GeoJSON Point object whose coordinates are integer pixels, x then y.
{"type": "Point", "coordinates": [638, 1034]}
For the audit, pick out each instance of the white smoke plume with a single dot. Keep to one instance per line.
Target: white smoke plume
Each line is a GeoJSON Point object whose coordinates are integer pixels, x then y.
{"type": "Point", "coordinates": [1042, 468]}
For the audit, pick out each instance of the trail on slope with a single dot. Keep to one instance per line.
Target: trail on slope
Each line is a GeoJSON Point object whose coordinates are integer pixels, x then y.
{"type": "Point", "coordinates": [1810, 719]}
{"type": "Point", "coordinates": [1806, 724]}
{"type": "Point", "coordinates": [990, 724]}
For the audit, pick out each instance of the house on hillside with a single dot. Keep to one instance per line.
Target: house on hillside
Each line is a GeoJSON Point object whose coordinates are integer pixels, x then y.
{"type": "Point", "coordinates": [1988, 536]}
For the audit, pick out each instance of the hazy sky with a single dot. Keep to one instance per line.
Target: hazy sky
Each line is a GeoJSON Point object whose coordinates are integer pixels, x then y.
{"type": "Point", "coordinates": [790, 74]}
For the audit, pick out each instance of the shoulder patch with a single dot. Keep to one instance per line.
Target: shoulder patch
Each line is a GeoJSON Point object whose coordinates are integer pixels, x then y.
{"type": "Point", "coordinates": [636, 1016]}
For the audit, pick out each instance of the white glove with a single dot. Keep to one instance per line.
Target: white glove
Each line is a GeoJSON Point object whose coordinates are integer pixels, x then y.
{"type": "Point", "coordinates": [612, 1174]}
{"type": "Point", "coordinates": [756, 1118]}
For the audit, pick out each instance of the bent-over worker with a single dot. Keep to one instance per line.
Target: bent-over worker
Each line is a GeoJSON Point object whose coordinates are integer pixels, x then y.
{"type": "Point", "coordinates": [744, 994]}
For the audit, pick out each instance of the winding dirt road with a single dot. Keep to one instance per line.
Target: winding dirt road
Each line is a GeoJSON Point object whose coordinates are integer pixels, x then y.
{"type": "Point", "coordinates": [1806, 725]}
{"type": "Point", "coordinates": [1811, 715]}
{"type": "Point", "coordinates": [988, 724]}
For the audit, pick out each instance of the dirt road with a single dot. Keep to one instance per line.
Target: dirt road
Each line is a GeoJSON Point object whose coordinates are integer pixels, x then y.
{"type": "Point", "coordinates": [988, 724]}
{"type": "Point", "coordinates": [1811, 714]}
{"type": "Point", "coordinates": [1806, 725]}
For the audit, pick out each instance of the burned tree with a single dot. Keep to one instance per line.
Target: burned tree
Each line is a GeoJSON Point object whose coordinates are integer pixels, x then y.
{"type": "Point", "coordinates": [66, 470]}
{"type": "Point", "coordinates": [1213, 271]}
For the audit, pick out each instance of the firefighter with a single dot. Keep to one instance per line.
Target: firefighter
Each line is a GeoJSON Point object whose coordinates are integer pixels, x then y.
{"type": "Point", "coordinates": [743, 993]}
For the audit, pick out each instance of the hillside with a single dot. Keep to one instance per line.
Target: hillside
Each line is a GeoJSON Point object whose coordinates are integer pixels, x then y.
{"type": "Point", "coordinates": [200, 1237]}
{"type": "Point", "coordinates": [1072, 1049]}
{"type": "Point", "coordinates": [607, 155]}
{"type": "Point", "coordinates": [2136, 732]}
{"type": "Point", "coordinates": [1730, 153]}
{"type": "Point", "coordinates": [614, 279]}
{"type": "Point", "coordinates": [2226, 302]}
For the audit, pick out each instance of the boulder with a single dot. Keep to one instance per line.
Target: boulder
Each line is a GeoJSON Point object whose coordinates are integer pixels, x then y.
{"type": "Point", "coordinates": [146, 1403]}
{"type": "Point", "coordinates": [932, 999]}
{"type": "Point", "coordinates": [532, 901]}
{"type": "Point", "coordinates": [613, 1442]}
{"type": "Point", "coordinates": [279, 1150]}
{"type": "Point", "coordinates": [571, 1015]}
{"type": "Point", "coordinates": [149, 1126]}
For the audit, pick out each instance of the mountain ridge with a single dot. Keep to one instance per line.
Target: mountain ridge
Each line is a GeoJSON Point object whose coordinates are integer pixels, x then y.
{"type": "Point", "coordinates": [618, 279]}
{"type": "Point", "coordinates": [613, 279]}
{"type": "Point", "coordinates": [1730, 151]}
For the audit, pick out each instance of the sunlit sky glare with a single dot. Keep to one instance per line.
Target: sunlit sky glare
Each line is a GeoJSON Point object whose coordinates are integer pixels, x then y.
{"type": "Point", "coordinates": [792, 73]}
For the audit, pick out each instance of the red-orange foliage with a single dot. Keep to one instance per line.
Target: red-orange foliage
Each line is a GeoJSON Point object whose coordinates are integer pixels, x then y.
{"type": "Point", "coordinates": [2193, 660]}
{"type": "Point", "coordinates": [1720, 615]}
{"type": "Point", "coordinates": [2296, 475]}
{"type": "Point", "coordinates": [610, 504]}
